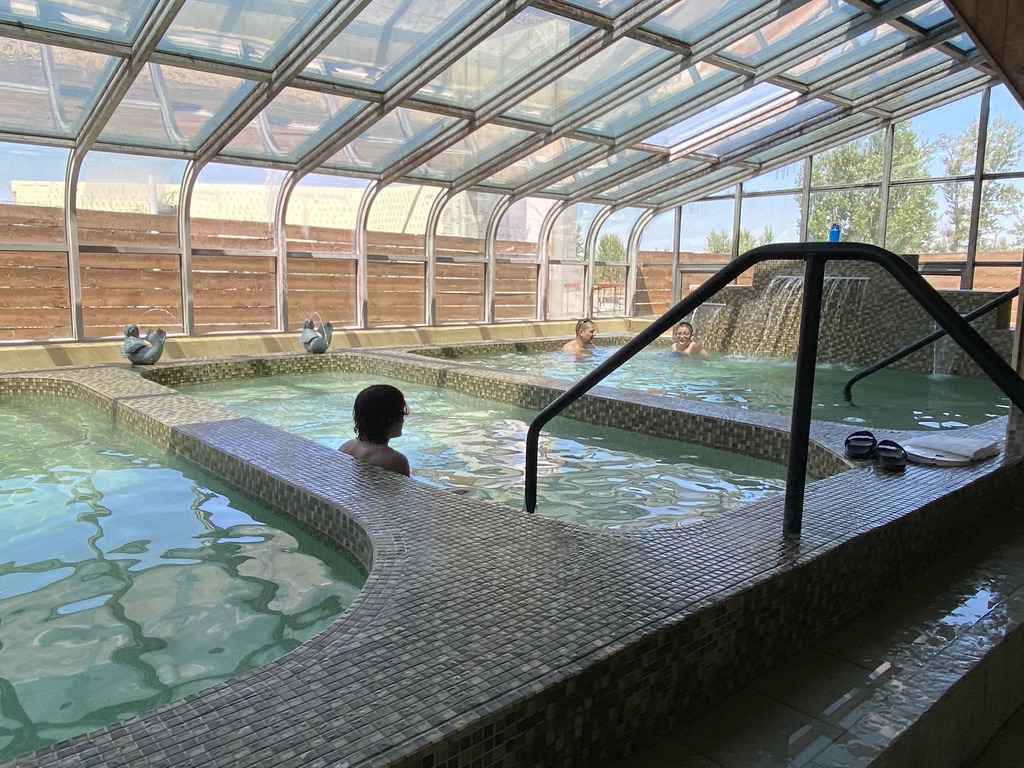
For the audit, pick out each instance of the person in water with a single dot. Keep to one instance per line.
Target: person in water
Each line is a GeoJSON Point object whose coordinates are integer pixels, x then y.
{"type": "Point", "coordinates": [584, 340]}
{"type": "Point", "coordinates": [379, 414]}
{"type": "Point", "coordinates": [685, 342]}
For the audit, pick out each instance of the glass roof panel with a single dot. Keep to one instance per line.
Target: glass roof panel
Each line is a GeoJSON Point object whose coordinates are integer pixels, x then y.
{"type": "Point", "coordinates": [253, 32]}
{"type": "Point", "coordinates": [394, 136]}
{"type": "Point", "coordinates": [607, 8]}
{"type": "Point", "coordinates": [116, 20]}
{"type": "Point", "coordinates": [535, 165]}
{"type": "Point", "coordinates": [656, 176]}
{"type": "Point", "coordinates": [389, 38]}
{"type": "Point", "coordinates": [786, 33]}
{"type": "Point", "coordinates": [836, 128]}
{"type": "Point", "coordinates": [617, 64]}
{"type": "Point", "coordinates": [690, 21]}
{"type": "Point", "coordinates": [801, 114]}
{"type": "Point", "coordinates": [292, 124]}
{"type": "Point", "coordinates": [930, 15]}
{"type": "Point", "coordinates": [963, 42]}
{"type": "Point", "coordinates": [597, 171]}
{"type": "Point", "coordinates": [894, 73]}
{"type": "Point", "coordinates": [176, 108]}
{"type": "Point", "coordinates": [848, 54]}
{"type": "Point", "coordinates": [527, 41]}
{"type": "Point", "coordinates": [927, 93]}
{"type": "Point", "coordinates": [713, 116]}
{"type": "Point", "coordinates": [711, 183]}
{"type": "Point", "coordinates": [483, 144]}
{"type": "Point", "coordinates": [47, 91]}
{"type": "Point", "coordinates": [674, 93]}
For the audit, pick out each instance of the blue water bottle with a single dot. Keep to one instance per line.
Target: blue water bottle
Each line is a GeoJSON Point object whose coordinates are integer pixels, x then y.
{"type": "Point", "coordinates": [833, 234]}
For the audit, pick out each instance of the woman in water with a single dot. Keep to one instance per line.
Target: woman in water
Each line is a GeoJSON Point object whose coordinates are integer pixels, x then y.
{"type": "Point", "coordinates": [379, 414]}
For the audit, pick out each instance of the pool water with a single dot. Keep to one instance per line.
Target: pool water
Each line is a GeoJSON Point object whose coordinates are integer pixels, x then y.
{"type": "Point", "coordinates": [886, 399]}
{"type": "Point", "coordinates": [128, 580]}
{"type": "Point", "coordinates": [588, 475]}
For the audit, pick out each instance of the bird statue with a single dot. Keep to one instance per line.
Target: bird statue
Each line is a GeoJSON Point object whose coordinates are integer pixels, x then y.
{"type": "Point", "coordinates": [142, 351]}
{"type": "Point", "coordinates": [316, 341]}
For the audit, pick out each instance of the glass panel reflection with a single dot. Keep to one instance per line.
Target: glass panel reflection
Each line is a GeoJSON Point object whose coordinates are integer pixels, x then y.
{"type": "Point", "coordinates": [173, 107]}
{"type": "Point", "coordinates": [246, 31]}
{"type": "Point", "coordinates": [599, 170]}
{"type": "Point", "coordinates": [394, 136]}
{"type": "Point", "coordinates": [707, 119]}
{"type": "Point", "coordinates": [482, 145]}
{"type": "Point", "coordinates": [233, 207]}
{"type": "Point", "coordinates": [788, 32]}
{"type": "Point", "coordinates": [668, 171]}
{"type": "Point", "coordinates": [801, 114]}
{"type": "Point", "coordinates": [32, 194]}
{"type": "Point", "coordinates": [902, 70]}
{"type": "Point", "coordinates": [47, 91]}
{"type": "Point", "coordinates": [117, 20]}
{"type": "Point", "coordinates": [950, 84]}
{"type": "Point", "coordinates": [930, 15]}
{"type": "Point", "coordinates": [846, 56]}
{"type": "Point", "coordinates": [690, 21]}
{"type": "Point", "coordinates": [547, 158]}
{"type": "Point", "coordinates": [523, 44]}
{"type": "Point", "coordinates": [587, 83]}
{"type": "Point", "coordinates": [389, 38]}
{"type": "Point", "coordinates": [519, 229]}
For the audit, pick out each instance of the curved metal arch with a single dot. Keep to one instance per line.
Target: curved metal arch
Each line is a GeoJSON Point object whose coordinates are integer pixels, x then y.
{"type": "Point", "coordinates": [430, 252]}
{"type": "Point", "coordinates": [359, 236]}
{"type": "Point", "coordinates": [633, 258]}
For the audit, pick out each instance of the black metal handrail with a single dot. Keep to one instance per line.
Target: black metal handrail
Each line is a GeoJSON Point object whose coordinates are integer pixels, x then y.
{"type": "Point", "coordinates": [814, 256]}
{"type": "Point", "coordinates": [924, 341]}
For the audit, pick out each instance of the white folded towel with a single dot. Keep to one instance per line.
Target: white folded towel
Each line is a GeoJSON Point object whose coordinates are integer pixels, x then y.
{"type": "Point", "coordinates": [971, 448]}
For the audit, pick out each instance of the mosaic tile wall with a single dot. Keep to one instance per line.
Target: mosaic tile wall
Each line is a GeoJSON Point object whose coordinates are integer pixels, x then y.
{"type": "Point", "coordinates": [866, 317]}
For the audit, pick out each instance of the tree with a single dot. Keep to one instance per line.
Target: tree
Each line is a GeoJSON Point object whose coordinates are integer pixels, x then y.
{"type": "Point", "coordinates": [610, 248]}
{"type": "Point", "coordinates": [719, 240]}
{"type": "Point", "coordinates": [911, 220]}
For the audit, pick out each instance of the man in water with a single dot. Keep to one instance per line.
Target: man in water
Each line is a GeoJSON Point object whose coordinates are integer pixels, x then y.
{"type": "Point", "coordinates": [584, 341]}
{"type": "Point", "coordinates": [685, 342]}
{"type": "Point", "coordinates": [379, 414]}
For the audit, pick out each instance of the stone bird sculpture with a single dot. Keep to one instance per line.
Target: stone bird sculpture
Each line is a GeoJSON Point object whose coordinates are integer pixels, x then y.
{"type": "Point", "coordinates": [143, 351]}
{"type": "Point", "coordinates": [316, 341]}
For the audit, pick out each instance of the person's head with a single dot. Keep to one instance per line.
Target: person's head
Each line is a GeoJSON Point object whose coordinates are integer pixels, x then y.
{"type": "Point", "coordinates": [585, 330]}
{"type": "Point", "coordinates": [683, 333]}
{"type": "Point", "coordinates": [379, 412]}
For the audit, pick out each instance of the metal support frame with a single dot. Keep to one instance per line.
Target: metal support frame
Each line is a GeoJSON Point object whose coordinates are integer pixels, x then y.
{"type": "Point", "coordinates": [815, 256]}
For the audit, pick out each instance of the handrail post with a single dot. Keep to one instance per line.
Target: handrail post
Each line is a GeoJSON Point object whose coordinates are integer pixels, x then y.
{"type": "Point", "coordinates": [803, 395]}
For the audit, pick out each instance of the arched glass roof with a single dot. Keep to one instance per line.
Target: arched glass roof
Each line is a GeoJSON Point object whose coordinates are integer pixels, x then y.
{"type": "Point", "coordinates": [624, 102]}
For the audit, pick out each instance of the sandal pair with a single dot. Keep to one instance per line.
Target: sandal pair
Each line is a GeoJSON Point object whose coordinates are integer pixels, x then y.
{"type": "Point", "coordinates": [890, 455]}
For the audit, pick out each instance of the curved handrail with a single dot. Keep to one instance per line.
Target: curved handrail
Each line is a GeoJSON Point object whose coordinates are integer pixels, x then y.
{"type": "Point", "coordinates": [924, 341]}
{"type": "Point", "coordinates": [814, 255]}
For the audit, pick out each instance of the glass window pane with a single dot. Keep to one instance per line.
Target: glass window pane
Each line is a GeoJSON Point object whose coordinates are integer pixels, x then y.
{"type": "Point", "coordinates": [233, 207]}
{"type": "Point", "coordinates": [769, 219]}
{"type": "Point", "coordinates": [791, 30]}
{"type": "Point", "coordinates": [459, 291]}
{"type": "Point", "coordinates": [599, 170]}
{"type": "Point", "coordinates": [294, 123]}
{"type": "Point", "coordinates": [788, 177]}
{"type": "Point", "coordinates": [247, 31]}
{"type": "Point", "coordinates": [856, 211]}
{"type": "Point", "coordinates": [170, 107]}
{"type": "Point", "coordinates": [389, 38]}
{"type": "Point", "coordinates": [32, 194]}
{"type": "Point", "coordinates": [117, 20]}
{"type": "Point", "coordinates": [590, 81]}
{"type": "Point", "coordinates": [941, 142]}
{"type": "Point", "coordinates": [929, 218]}
{"type": "Point", "coordinates": [705, 121]}
{"type": "Point", "coordinates": [759, 130]}
{"type": "Point", "coordinates": [1001, 221]}
{"type": "Point", "coordinates": [614, 235]}
{"type": "Point", "coordinates": [565, 291]}
{"type": "Point", "coordinates": [679, 91]}
{"type": "Point", "coordinates": [519, 229]}
{"type": "Point", "coordinates": [569, 233]}
{"type": "Point", "coordinates": [894, 73]}
{"type": "Point", "coordinates": [854, 162]}
{"type": "Point", "coordinates": [515, 291]}
{"type": "Point", "coordinates": [397, 222]}
{"type": "Point", "coordinates": [526, 42]}
{"type": "Point", "coordinates": [963, 42]}
{"type": "Point", "coordinates": [667, 172]}
{"type": "Point", "coordinates": [847, 55]}
{"type": "Point", "coordinates": [715, 182]}
{"type": "Point", "coordinates": [690, 21]}
{"type": "Point", "coordinates": [609, 297]}
{"type": "Point", "coordinates": [942, 87]}
{"type": "Point", "coordinates": [462, 227]}
{"type": "Point", "coordinates": [657, 238]}
{"type": "Point", "coordinates": [391, 138]}
{"type": "Point", "coordinates": [607, 8]}
{"type": "Point", "coordinates": [706, 228]}
{"type": "Point", "coordinates": [1003, 150]}
{"type": "Point", "coordinates": [930, 15]}
{"type": "Point", "coordinates": [485, 143]}
{"type": "Point", "coordinates": [48, 91]}
{"type": "Point", "coordinates": [547, 158]}
{"type": "Point", "coordinates": [321, 214]}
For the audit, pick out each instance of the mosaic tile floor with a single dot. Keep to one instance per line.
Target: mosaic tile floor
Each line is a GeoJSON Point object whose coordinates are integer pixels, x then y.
{"type": "Point", "coordinates": [488, 637]}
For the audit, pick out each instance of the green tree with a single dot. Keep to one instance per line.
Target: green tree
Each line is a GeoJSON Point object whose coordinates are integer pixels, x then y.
{"type": "Point", "coordinates": [911, 221]}
{"type": "Point", "coordinates": [610, 248]}
{"type": "Point", "coordinates": [720, 241]}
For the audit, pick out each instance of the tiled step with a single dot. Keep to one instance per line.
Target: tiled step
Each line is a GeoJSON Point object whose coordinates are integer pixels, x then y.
{"type": "Point", "coordinates": [926, 678]}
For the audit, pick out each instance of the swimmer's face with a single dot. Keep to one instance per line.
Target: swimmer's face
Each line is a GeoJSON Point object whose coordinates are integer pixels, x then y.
{"type": "Point", "coordinates": [684, 334]}
{"type": "Point", "coordinates": [587, 332]}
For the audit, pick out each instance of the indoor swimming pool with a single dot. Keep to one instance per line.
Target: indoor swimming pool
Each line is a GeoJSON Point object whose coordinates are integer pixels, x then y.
{"type": "Point", "coordinates": [889, 399]}
{"type": "Point", "coordinates": [129, 579]}
{"type": "Point", "coordinates": [590, 475]}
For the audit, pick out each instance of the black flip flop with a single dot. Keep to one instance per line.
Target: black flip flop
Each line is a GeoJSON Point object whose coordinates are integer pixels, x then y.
{"type": "Point", "coordinates": [861, 445]}
{"type": "Point", "coordinates": [891, 456]}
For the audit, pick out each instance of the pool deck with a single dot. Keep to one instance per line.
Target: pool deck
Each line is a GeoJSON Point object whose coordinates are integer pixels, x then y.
{"type": "Point", "coordinates": [485, 636]}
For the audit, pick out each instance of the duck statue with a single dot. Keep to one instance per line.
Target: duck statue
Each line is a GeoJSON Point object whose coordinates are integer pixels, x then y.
{"type": "Point", "coordinates": [143, 351]}
{"type": "Point", "coordinates": [316, 341]}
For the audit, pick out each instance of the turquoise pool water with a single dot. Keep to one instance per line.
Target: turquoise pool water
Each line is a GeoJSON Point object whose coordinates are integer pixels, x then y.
{"type": "Point", "coordinates": [887, 399]}
{"type": "Point", "coordinates": [128, 580]}
{"type": "Point", "coordinates": [588, 475]}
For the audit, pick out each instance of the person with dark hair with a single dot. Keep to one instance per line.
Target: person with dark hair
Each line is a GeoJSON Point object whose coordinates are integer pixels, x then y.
{"type": "Point", "coordinates": [379, 413]}
{"type": "Point", "coordinates": [584, 340]}
{"type": "Point", "coordinates": [685, 342]}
